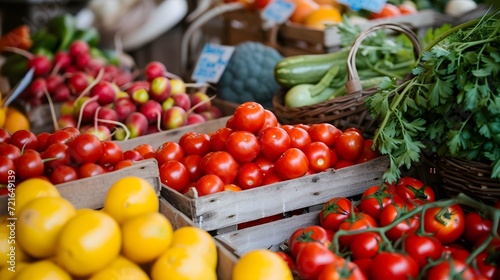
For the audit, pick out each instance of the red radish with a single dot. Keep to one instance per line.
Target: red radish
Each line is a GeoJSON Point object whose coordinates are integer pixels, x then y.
{"type": "Point", "coordinates": [66, 121]}
{"type": "Point", "coordinates": [78, 48]}
{"type": "Point", "coordinates": [124, 107]}
{"type": "Point", "coordinates": [154, 69]}
{"type": "Point", "coordinates": [53, 81]}
{"type": "Point", "coordinates": [85, 108]}
{"type": "Point", "coordinates": [182, 100]}
{"type": "Point", "coordinates": [102, 132]}
{"type": "Point", "coordinates": [107, 114]}
{"type": "Point", "coordinates": [62, 60]}
{"type": "Point", "coordinates": [160, 89]}
{"type": "Point", "coordinates": [105, 92]}
{"type": "Point", "coordinates": [82, 61]}
{"type": "Point", "coordinates": [61, 93]}
{"type": "Point", "coordinates": [137, 85]}
{"type": "Point", "coordinates": [78, 82]}
{"type": "Point", "coordinates": [140, 96]}
{"type": "Point", "coordinates": [194, 118]}
{"type": "Point", "coordinates": [66, 108]}
{"type": "Point", "coordinates": [41, 64]}
{"type": "Point", "coordinates": [152, 110]}
{"type": "Point", "coordinates": [167, 104]}
{"type": "Point", "coordinates": [37, 87]}
{"type": "Point", "coordinates": [137, 124]}
{"type": "Point", "coordinates": [200, 101]}
{"type": "Point", "coordinates": [173, 118]}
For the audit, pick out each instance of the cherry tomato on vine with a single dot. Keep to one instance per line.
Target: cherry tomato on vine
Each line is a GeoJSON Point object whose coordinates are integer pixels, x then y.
{"type": "Point", "coordinates": [335, 211]}
{"type": "Point", "coordinates": [312, 258]}
{"type": "Point", "coordinates": [411, 189]}
{"type": "Point", "coordinates": [476, 226]}
{"type": "Point", "coordinates": [288, 259]}
{"type": "Point", "coordinates": [448, 268]}
{"type": "Point", "coordinates": [355, 221]}
{"type": "Point", "coordinates": [291, 164]}
{"type": "Point", "coordinates": [313, 233]}
{"type": "Point", "coordinates": [349, 145]}
{"type": "Point", "coordinates": [249, 116]}
{"type": "Point", "coordinates": [341, 269]}
{"type": "Point", "coordinates": [394, 211]}
{"type": "Point", "coordinates": [375, 199]}
{"type": "Point", "coordinates": [486, 266]}
{"type": "Point", "coordinates": [368, 153]}
{"type": "Point", "coordinates": [243, 146]}
{"type": "Point", "coordinates": [422, 248]}
{"type": "Point", "coordinates": [394, 266]}
{"type": "Point", "coordinates": [446, 223]}
{"type": "Point", "coordinates": [365, 245]}
{"type": "Point", "coordinates": [274, 141]}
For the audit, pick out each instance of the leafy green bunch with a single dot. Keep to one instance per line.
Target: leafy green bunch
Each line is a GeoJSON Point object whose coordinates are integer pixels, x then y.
{"type": "Point", "coordinates": [449, 106]}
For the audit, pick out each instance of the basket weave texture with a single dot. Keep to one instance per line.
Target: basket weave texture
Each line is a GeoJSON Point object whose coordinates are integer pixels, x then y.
{"type": "Point", "coordinates": [349, 110]}
{"type": "Point", "coordinates": [469, 177]}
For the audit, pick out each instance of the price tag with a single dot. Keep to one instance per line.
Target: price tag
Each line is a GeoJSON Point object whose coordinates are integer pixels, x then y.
{"type": "Point", "coordinates": [369, 5]}
{"type": "Point", "coordinates": [278, 11]}
{"type": "Point", "coordinates": [212, 63]}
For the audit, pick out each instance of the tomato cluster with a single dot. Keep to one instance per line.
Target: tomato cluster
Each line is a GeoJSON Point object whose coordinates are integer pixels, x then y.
{"type": "Point", "coordinates": [254, 150]}
{"type": "Point", "coordinates": [397, 231]}
{"type": "Point", "coordinates": [63, 156]}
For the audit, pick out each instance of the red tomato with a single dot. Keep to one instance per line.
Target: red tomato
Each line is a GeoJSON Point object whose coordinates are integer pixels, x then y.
{"type": "Point", "coordinates": [476, 226]}
{"type": "Point", "coordinates": [368, 152]}
{"type": "Point", "coordinates": [174, 175]}
{"type": "Point", "coordinates": [355, 221]}
{"type": "Point", "coordinates": [411, 189]}
{"type": "Point", "coordinates": [90, 169]}
{"type": "Point", "coordinates": [193, 166]}
{"type": "Point", "coordinates": [249, 176]}
{"type": "Point", "coordinates": [4, 136]}
{"type": "Point", "coordinates": [365, 245]}
{"type": "Point", "coordinates": [342, 163]}
{"type": "Point", "coordinates": [299, 138]}
{"type": "Point", "coordinates": [447, 224]}
{"type": "Point", "coordinates": [42, 140]}
{"type": "Point", "coordinates": [7, 168]}
{"type": "Point", "coordinates": [264, 164]}
{"type": "Point", "coordinates": [63, 174]}
{"type": "Point", "coordinates": [270, 120]}
{"type": "Point", "coordinates": [364, 265]}
{"type": "Point", "coordinates": [291, 164]}
{"type": "Point", "coordinates": [375, 198]}
{"type": "Point", "coordinates": [111, 154]}
{"type": "Point", "coordinates": [303, 126]}
{"type": "Point", "coordinates": [232, 187]}
{"type": "Point", "coordinates": [422, 248]}
{"type": "Point", "coordinates": [456, 251]}
{"type": "Point", "coordinates": [146, 150]}
{"type": "Point", "coordinates": [60, 136]}
{"type": "Point", "coordinates": [324, 132]}
{"type": "Point", "coordinates": [288, 259]}
{"type": "Point", "coordinates": [394, 211]}
{"type": "Point", "coordinates": [304, 235]}
{"type": "Point", "coordinates": [222, 164]}
{"type": "Point", "coordinates": [73, 131]}
{"type": "Point", "coordinates": [29, 165]}
{"type": "Point", "coordinates": [407, 9]}
{"type": "Point", "coordinates": [55, 155]}
{"type": "Point", "coordinates": [312, 258]}
{"type": "Point", "coordinates": [243, 146]}
{"type": "Point", "coordinates": [349, 145]}
{"type": "Point", "coordinates": [394, 266]}
{"type": "Point", "coordinates": [486, 266]}
{"type": "Point", "coordinates": [249, 116]}
{"type": "Point", "coordinates": [341, 270]}
{"type": "Point", "coordinates": [24, 139]}
{"type": "Point", "coordinates": [132, 155]}
{"type": "Point", "coordinates": [9, 150]}
{"type": "Point", "coordinates": [124, 163]}
{"type": "Point", "coordinates": [85, 148]}
{"type": "Point", "coordinates": [167, 151]}
{"type": "Point", "coordinates": [270, 178]}
{"type": "Point", "coordinates": [218, 139]}
{"type": "Point", "coordinates": [209, 184]}
{"type": "Point", "coordinates": [334, 212]}
{"type": "Point", "coordinates": [319, 156]}
{"type": "Point", "coordinates": [448, 267]}
{"type": "Point", "coordinates": [388, 10]}
{"type": "Point", "coordinates": [274, 141]}
{"type": "Point", "coordinates": [334, 156]}
{"type": "Point", "coordinates": [193, 143]}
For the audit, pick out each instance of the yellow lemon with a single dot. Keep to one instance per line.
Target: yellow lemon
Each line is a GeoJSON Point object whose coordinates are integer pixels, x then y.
{"type": "Point", "coordinates": [3, 113]}
{"type": "Point", "coordinates": [8, 272]}
{"type": "Point", "coordinates": [10, 252]}
{"type": "Point", "coordinates": [129, 197]}
{"type": "Point", "coordinates": [43, 269]}
{"type": "Point", "coordinates": [120, 269]}
{"type": "Point", "coordinates": [325, 15]}
{"type": "Point", "coordinates": [198, 242]}
{"type": "Point", "coordinates": [146, 237]}
{"type": "Point", "coordinates": [32, 188]}
{"type": "Point", "coordinates": [39, 224]}
{"type": "Point", "coordinates": [15, 120]}
{"type": "Point", "coordinates": [261, 264]}
{"type": "Point", "coordinates": [181, 264]}
{"type": "Point", "coordinates": [88, 242]}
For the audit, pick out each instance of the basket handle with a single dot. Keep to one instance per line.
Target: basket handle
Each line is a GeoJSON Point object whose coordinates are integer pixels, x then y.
{"type": "Point", "coordinates": [353, 83]}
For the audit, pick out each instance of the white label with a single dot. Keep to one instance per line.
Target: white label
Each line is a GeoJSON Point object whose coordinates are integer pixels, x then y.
{"type": "Point", "coordinates": [212, 63]}
{"type": "Point", "coordinates": [278, 11]}
{"type": "Point", "coordinates": [369, 5]}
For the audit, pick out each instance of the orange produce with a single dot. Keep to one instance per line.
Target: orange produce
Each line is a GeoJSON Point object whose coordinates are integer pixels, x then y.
{"type": "Point", "coordinates": [303, 8]}
{"type": "Point", "coordinates": [323, 16]}
{"type": "Point", "coordinates": [333, 3]}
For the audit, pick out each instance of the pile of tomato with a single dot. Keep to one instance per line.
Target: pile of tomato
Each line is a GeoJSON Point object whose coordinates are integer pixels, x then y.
{"type": "Point", "coordinates": [254, 150]}
{"type": "Point", "coordinates": [398, 231]}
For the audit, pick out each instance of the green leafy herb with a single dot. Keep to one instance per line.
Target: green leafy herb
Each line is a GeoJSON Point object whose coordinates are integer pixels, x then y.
{"type": "Point", "coordinates": [450, 105]}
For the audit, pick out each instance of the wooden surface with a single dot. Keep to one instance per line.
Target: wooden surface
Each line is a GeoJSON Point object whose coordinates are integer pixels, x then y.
{"type": "Point", "coordinates": [225, 209]}
{"type": "Point", "coordinates": [91, 192]}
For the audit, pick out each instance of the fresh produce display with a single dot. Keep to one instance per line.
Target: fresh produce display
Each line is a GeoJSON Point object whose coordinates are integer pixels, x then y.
{"type": "Point", "coordinates": [450, 104]}
{"type": "Point", "coordinates": [253, 150]}
{"type": "Point", "coordinates": [398, 231]}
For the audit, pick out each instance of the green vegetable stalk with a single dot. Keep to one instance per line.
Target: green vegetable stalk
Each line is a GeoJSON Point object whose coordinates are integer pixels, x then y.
{"type": "Point", "coordinates": [451, 105]}
{"type": "Point", "coordinates": [64, 27]}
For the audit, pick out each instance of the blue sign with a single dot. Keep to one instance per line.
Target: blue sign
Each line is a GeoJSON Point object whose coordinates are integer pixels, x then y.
{"type": "Point", "coordinates": [278, 11]}
{"type": "Point", "coordinates": [212, 63]}
{"type": "Point", "coordinates": [369, 5]}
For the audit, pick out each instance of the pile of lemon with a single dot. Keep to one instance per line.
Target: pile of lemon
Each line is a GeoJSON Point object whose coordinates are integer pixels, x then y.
{"type": "Point", "coordinates": [12, 119]}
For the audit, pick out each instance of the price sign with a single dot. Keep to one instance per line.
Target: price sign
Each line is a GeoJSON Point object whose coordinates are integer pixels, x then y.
{"type": "Point", "coordinates": [278, 11]}
{"type": "Point", "coordinates": [369, 5]}
{"type": "Point", "coordinates": [212, 63]}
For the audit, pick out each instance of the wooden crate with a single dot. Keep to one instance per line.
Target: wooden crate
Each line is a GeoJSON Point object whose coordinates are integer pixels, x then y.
{"type": "Point", "coordinates": [266, 236]}
{"type": "Point", "coordinates": [226, 259]}
{"type": "Point", "coordinates": [90, 192]}
{"type": "Point", "coordinates": [221, 212]}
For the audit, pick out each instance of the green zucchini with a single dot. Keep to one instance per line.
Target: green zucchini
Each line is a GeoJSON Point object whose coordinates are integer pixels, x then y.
{"type": "Point", "coordinates": [308, 68]}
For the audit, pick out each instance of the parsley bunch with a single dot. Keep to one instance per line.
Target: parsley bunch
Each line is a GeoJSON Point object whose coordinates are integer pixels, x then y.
{"type": "Point", "coordinates": [450, 105]}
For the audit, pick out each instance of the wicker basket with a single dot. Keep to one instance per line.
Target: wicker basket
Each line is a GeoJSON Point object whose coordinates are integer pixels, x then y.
{"type": "Point", "coordinates": [349, 110]}
{"type": "Point", "coordinates": [469, 177]}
